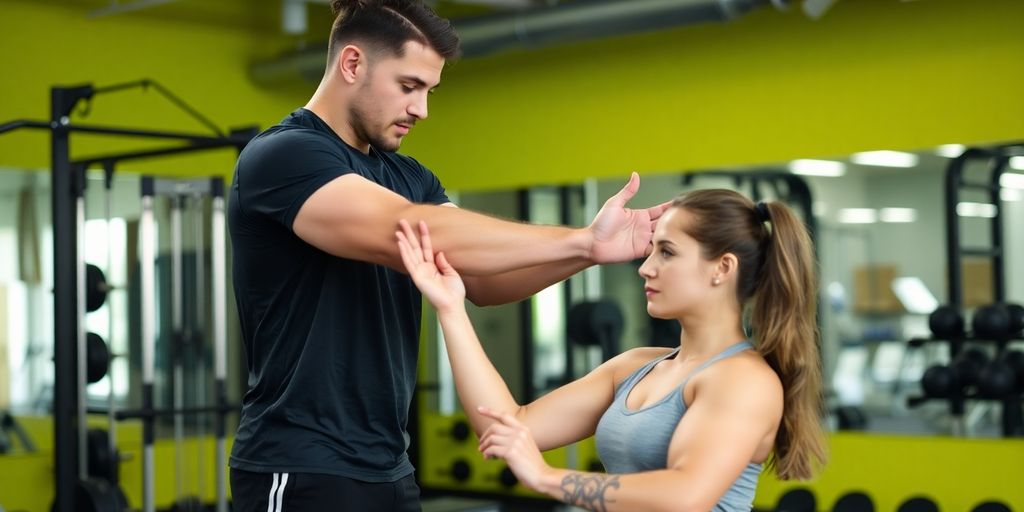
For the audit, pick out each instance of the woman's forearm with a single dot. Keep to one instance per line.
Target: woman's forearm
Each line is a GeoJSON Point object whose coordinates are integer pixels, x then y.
{"type": "Point", "coordinates": [477, 382]}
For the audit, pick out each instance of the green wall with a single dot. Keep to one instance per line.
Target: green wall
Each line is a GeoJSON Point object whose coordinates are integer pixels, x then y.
{"type": "Point", "coordinates": [768, 87]}
{"type": "Point", "coordinates": [48, 43]}
{"type": "Point", "coordinates": [772, 86]}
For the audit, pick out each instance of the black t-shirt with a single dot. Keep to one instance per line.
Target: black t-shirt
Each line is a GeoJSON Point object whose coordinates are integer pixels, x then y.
{"type": "Point", "coordinates": [331, 343]}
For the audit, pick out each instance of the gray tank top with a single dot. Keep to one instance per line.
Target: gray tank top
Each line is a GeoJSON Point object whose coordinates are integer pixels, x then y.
{"type": "Point", "coordinates": [634, 441]}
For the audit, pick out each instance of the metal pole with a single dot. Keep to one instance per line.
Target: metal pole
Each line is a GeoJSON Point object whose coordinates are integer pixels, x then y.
{"type": "Point", "coordinates": [177, 303]}
{"type": "Point", "coordinates": [83, 462]}
{"type": "Point", "coordinates": [198, 338]}
{"type": "Point", "coordinates": [147, 271]}
{"type": "Point", "coordinates": [65, 314]}
{"type": "Point", "coordinates": [218, 278]}
{"type": "Point", "coordinates": [996, 230]}
{"type": "Point", "coordinates": [108, 186]}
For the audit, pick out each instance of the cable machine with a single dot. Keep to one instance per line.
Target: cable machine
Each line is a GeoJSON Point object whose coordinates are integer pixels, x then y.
{"type": "Point", "coordinates": [68, 210]}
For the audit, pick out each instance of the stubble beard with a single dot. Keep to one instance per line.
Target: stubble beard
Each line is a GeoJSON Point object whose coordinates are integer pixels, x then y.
{"type": "Point", "coordinates": [363, 129]}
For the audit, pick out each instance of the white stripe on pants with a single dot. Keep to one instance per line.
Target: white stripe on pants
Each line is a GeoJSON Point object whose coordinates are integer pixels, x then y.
{"type": "Point", "coordinates": [277, 492]}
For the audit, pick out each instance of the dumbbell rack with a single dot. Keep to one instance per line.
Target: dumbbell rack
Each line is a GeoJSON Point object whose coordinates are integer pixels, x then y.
{"type": "Point", "coordinates": [955, 252]}
{"type": "Point", "coordinates": [955, 184]}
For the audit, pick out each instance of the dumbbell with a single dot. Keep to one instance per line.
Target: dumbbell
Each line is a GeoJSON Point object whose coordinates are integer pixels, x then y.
{"type": "Point", "coordinates": [968, 365]}
{"type": "Point", "coordinates": [1016, 314]}
{"type": "Point", "coordinates": [946, 323]}
{"type": "Point", "coordinates": [1015, 359]}
{"type": "Point", "coordinates": [507, 477]}
{"type": "Point", "coordinates": [97, 358]}
{"type": "Point", "coordinates": [997, 380]}
{"type": "Point", "coordinates": [96, 288]}
{"type": "Point", "coordinates": [458, 431]}
{"type": "Point", "coordinates": [991, 322]}
{"type": "Point", "coordinates": [104, 463]}
{"type": "Point", "coordinates": [460, 470]}
{"type": "Point", "coordinates": [939, 381]}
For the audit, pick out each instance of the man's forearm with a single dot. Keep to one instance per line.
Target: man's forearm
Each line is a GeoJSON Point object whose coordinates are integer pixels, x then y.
{"type": "Point", "coordinates": [519, 284]}
{"type": "Point", "coordinates": [480, 245]}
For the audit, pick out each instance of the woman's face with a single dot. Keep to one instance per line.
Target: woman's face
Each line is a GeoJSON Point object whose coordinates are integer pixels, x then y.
{"type": "Point", "coordinates": [677, 278]}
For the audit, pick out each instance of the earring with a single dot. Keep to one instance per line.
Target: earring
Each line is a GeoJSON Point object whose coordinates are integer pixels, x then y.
{"type": "Point", "coordinates": [716, 281]}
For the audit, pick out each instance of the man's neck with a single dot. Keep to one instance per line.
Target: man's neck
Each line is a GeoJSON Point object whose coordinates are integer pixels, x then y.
{"type": "Point", "coordinates": [339, 123]}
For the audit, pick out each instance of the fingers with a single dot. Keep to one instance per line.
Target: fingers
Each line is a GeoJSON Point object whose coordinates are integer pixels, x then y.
{"type": "Point", "coordinates": [627, 192]}
{"type": "Point", "coordinates": [420, 247]}
{"type": "Point", "coordinates": [428, 250]}
{"type": "Point", "coordinates": [443, 265]}
{"type": "Point", "coordinates": [504, 418]}
{"type": "Point", "coordinates": [656, 211]}
{"type": "Point", "coordinates": [496, 434]}
{"type": "Point", "coordinates": [507, 434]}
{"type": "Point", "coordinates": [405, 251]}
{"type": "Point", "coordinates": [495, 452]}
{"type": "Point", "coordinates": [412, 239]}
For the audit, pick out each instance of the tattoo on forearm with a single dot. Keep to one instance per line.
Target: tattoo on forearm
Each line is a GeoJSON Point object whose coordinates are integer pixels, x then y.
{"type": "Point", "coordinates": [588, 490]}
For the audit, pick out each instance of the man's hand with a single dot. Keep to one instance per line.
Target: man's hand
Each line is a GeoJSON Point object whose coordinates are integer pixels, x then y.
{"type": "Point", "coordinates": [622, 234]}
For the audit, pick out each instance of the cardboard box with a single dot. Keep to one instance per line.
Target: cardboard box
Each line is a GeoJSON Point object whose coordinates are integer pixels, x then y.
{"type": "Point", "coordinates": [872, 289]}
{"type": "Point", "coordinates": [977, 281]}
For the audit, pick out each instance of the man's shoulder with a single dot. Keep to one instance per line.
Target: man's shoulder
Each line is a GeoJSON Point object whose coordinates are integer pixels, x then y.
{"type": "Point", "coordinates": [292, 146]}
{"type": "Point", "coordinates": [406, 163]}
{"type": "Point", "coordinates": [288, 135]}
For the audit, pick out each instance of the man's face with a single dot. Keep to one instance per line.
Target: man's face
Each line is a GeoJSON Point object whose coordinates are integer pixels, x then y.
{"type": "Point", "coordinates": [393, 96]}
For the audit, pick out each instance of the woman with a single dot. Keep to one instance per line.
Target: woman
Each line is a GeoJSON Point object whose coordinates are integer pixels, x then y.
{"type": "Point", "coordinates": [680, 429]}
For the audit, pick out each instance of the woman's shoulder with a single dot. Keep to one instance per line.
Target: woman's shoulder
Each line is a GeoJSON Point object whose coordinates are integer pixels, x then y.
{"type": "Point", "coordinates": [633, 359]}
{"type": "Point", "coordinates": [746, 372]}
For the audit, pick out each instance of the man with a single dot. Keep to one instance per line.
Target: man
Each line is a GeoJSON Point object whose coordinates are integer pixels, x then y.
{"type": "Point", "coordinates": [329, 321]}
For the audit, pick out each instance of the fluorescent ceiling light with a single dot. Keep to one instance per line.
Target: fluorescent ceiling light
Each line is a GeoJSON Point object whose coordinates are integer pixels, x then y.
{"type": "Point", "coordinates": [1011, 194]}
{"type": "Point", "coordinates": [897, 215]}
{"type": "Point", "coordinates": [1011, 180]}
{"type": "Point", "coordinates": [829, 168]}
{"type": "Point", "coordinates": [950, 150]}
{"type": "Point", "coordinates": [967, 209]}
{"type": "Point", "coordinates": [885, 158]}
{"type": "Point", "coordinates": [1017, 162]}
{"type": "Point", "coordinates": [858, 216]}
{"type": "Point", "coordinates": [914, 295]}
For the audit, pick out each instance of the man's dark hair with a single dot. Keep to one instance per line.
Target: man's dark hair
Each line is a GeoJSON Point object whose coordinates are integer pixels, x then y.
{"type": "Point", "coordinates": [384, 26]}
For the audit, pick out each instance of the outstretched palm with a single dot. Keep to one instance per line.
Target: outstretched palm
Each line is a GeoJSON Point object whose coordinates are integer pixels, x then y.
{"type": "Point", "coordinates": [438, 281]}
{"type": "Point", "coordinates": [620, 233]}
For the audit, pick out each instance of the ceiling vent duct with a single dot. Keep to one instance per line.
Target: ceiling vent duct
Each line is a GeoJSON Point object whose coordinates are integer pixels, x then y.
{"type": "Point", "coordinates": [534, 28]}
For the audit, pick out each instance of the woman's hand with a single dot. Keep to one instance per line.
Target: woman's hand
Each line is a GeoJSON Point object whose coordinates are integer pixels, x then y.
{"type": "Point", "coordinates": [511, 440]}
{"type": "Point", "coordinates": [438, 281]}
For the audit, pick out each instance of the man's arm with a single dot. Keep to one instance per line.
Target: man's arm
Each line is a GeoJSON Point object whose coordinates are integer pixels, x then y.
{"type": "Point", "coordinates": [516, 285]}
{"type": "Point", "coordinates": [353, 218]}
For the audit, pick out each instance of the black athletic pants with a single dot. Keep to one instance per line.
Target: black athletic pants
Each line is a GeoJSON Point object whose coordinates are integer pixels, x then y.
{"type": "Point", "coordinates": [294, 492]}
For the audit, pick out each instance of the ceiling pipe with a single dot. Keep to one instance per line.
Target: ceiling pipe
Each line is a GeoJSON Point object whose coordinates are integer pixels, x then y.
{"type": "Point", "coordinates": [591, 19]}
{"type": "Point", "coordinates": [563, 23]}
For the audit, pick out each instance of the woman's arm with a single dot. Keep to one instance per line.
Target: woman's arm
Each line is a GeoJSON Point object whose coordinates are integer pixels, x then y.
{"type": "Point", "coordinates": [563, 416]}
{"type": "Point", "coordinates": [730, 417]}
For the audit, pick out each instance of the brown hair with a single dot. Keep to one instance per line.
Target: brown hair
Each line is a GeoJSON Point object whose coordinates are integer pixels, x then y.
{"type": "Point", "coordinates": [384, 26]}
{"type": "Point", "coordinates": [776, 272]}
